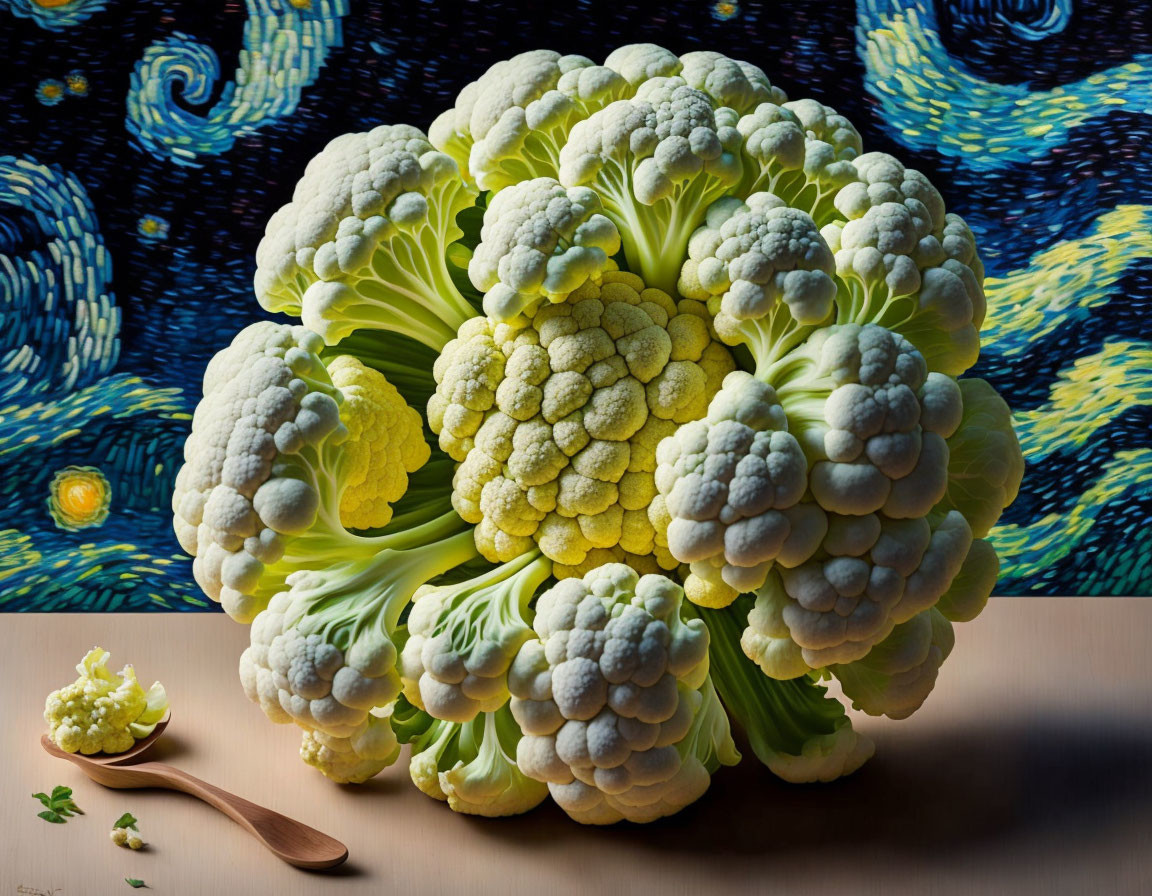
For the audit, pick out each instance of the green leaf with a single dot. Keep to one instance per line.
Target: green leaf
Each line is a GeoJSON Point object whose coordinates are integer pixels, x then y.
{"type": "Point", "coordinates": [135, 883]}
{"type": "Point", "coordinates": [127, 820]}
{"type": "Point", "coordinates": [408, 722]}
{"type": "Point", "coordinates": [57, 806]}
{"type": "Point", "coordinates": [792, 725]}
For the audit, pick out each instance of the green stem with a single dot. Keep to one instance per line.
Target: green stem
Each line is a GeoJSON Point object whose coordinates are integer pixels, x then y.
{"type": "Point", "coordinates": [513, 585]}
{"type": "Point", "coordinates": [773, 337]}
{"type": "Point", "coordinates": [779, 717]}
{"type": "Point", "coordinates": [349, 599]}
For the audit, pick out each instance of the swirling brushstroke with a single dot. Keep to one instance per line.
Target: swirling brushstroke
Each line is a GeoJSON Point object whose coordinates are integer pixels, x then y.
{"type": "Point", "coordinates": [1034, 314]}
{"type": "Point", "coordinates": [933, 103]}
{"type": "Point", "coordinates": [1027, 19]}
{"type": "Point", "coordinates": [1086, 397]}
{"type": "Point", "coordinates": [1065, 281]}
{"type": "Point", "coordinates": [286, 42]}
{"type": "Point", "coordinates": [59, 324]}
{"type": "Point", "coordinates": [55, 15]}
{"type": "Point", "coordinates": [135, 432]}
{"type": "Point", "coordinates": [1029, 550]}
{"type": "Point", "coordinates": [40, 424]}
{"type": "Point", "coordinates": [46, 576]}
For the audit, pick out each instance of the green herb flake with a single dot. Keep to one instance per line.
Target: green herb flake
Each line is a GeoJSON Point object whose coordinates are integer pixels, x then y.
{"type": "Point", "coordinates": [57, 806]}
{"type": "Point", "coordinates": [127, 820]}
{"type": "Point", "coordinates": [135, 883]}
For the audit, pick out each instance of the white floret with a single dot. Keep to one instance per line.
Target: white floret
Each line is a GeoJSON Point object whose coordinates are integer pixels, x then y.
{"type": "Point", "coordinates": [899, 673]}
{"type": "Point", "coordinates": [875, 574]}
{"type": "Point", "coordinates": [607, 692]}
{"type": "Point", "coordinates": [127, 838]}
{"type": "Point", "coordinates": [303, 678]}
{"type": "Point", "coordinates": [730, 82]}
{"type": "Point", "coordinates": [347, 200]}
{"type": "Point", "coordinates": [898, 241]}
{"type": "Point", "coordinates": [265, 397]}
{"type": "Point", "coordinates": [657, 160]}
{"type": "Point", "coordinates": [462, 638]}
{"type": "Point", "coordinates": [750, 258]}
{"type": "Point", "coordinates": [826, 757]}
{"type": "Point", "coordinates": [881, 179]}
{"type": "Point", "coordinates": [831, 142]}
{"type": "Point", "coordinates": [638, 63]}
{"type": "Point", "coordinates": [671, 129]}
{"type": "Point", "coordinates": [885, 420]}
{"type": "Point", "coordinates": [732, 484]}
{"type": "Point", "coordinates": [362, 243]}
{"type": "Point", "coordinates": [491, 784]}
{"type": "Point", "coordinates": [509, 125]}
{"type": "Point", "coordinates": [354, 759]}
{"type": "Point", "coordinates": [540, 242]}
{"type": "Point", "coordinates": [802, 151]}
{"type": "Point", "coordinates": [774, 138]}
{"type": "Point", "coordinates": [508, 84]}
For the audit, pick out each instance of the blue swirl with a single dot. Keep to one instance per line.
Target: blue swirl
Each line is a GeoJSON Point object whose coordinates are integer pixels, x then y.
{"type": "Point", "coordinates": [55, 18]}
{"type": "Point", "coordinates": [59, 324]}
{"type": "Point", "coordinates": [932, 102]}
{"type": "Point", "coordinates": [285, 46]}
{"type": "Point", "coordinates": [1027, 19]}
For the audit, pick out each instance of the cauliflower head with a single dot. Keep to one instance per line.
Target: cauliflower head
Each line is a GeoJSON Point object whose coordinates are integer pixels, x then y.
{"type": "Point", "coordinates": [605, 337]}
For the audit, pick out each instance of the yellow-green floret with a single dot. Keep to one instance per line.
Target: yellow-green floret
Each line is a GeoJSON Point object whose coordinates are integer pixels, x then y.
{"type": "Point", "coordinates": [555, 421]}
{"type": "Point", "coordinates": [101, 711]}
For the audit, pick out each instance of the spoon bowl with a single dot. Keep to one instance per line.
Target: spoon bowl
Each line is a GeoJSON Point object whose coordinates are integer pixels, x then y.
{"type": "Point", "coordinates": [114, 758]}
{"type": "Point", "coordinates": [291, 840]}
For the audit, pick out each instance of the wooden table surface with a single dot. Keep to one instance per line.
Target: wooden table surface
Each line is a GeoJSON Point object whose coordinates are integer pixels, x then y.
{"type": "Point", "coordinates": [1029, 770]}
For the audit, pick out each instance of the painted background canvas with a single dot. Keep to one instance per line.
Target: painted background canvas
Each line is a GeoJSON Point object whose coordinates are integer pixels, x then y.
{"type": "Point", "coordinates": [143, 145]}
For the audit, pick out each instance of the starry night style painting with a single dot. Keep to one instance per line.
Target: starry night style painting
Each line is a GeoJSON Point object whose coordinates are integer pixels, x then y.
{"type": "Point", "coordinates": [144, 146]}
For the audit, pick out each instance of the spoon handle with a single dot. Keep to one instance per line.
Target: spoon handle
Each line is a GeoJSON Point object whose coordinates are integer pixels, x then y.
{"type": "Point", "coordinates": [291, 840]}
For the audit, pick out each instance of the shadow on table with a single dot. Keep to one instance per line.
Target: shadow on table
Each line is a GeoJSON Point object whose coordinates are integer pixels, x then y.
{"type": "Point", "coordinates": [926, 792]}
{"type": "Point", "coordinates": [382, 786]}
{"type": "Point", "coordinates": [167, 748]}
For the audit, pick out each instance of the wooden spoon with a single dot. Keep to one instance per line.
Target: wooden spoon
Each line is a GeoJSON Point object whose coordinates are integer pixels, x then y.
{"type": "Point", "coordinates": [295, 843]}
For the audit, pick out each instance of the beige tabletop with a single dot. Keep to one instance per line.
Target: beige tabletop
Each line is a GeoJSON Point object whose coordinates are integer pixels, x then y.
{"type": "Point", "coordinates": [1029, 770]}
